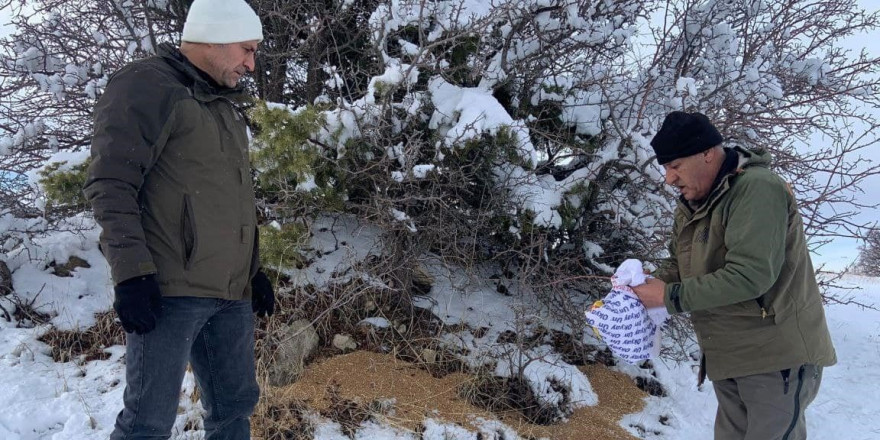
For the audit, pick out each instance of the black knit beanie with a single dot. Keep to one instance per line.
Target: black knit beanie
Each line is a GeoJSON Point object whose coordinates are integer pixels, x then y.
{"type": "Point", "coordinates": [684, 134]}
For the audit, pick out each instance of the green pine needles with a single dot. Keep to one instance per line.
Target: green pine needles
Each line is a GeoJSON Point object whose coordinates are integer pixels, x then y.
{"type": "Point", "coordinates": [63, 188]}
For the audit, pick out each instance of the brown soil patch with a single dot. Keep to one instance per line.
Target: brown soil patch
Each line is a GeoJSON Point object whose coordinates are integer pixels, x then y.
{"type": "Point", "coordinates": [365, 376]}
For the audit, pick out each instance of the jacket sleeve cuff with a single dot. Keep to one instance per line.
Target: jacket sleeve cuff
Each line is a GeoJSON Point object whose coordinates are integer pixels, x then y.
{"type": "Point", "coordinates": [665, 276]}
{"type": "Point", "coordinates": [131, 264]}
{"type": "Point", "coordinates": [672, 298]}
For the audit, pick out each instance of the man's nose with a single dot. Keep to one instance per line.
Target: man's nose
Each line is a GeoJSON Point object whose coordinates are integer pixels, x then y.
{"type": "Point", "coordinates": [670, 178]}
{"type": "Point", "coordinates": [249, 62]}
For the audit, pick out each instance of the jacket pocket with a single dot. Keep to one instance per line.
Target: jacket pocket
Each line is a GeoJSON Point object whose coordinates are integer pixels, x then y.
{"type": "Point", "coordinates": [786, 379]}
{"type": "Point", "coordinates": [188, 234]}
{"type": "Point", "coordinates": [750, 308]}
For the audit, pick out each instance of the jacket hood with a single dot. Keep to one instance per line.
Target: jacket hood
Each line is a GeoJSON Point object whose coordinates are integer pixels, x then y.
{"type": "Point", "coordinates": [750, 158]}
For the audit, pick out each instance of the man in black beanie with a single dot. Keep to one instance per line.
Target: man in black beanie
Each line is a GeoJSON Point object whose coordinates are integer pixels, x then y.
{"type": "Point", "coordinates": [738, 263]}
{"type": "Point", "coordinates": [689, 148]}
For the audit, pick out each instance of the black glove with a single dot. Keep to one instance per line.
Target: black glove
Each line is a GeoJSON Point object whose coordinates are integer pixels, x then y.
{"type": "Point", "coordinates": [138, 304]}
{"type": "Point", "coordinates": [262, 295]}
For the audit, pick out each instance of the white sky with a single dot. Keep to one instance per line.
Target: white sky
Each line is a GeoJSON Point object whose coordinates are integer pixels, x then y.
{"type": "Point", "coordinates": [5, 14]}
{"type": "Point", "coordinates": [841, 252]}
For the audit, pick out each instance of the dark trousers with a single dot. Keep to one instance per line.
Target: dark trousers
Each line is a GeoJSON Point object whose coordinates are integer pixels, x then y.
{"type": "Point", "coordinates": [215, 336]}
{"type": "Point", "coordinates": [768, 406]}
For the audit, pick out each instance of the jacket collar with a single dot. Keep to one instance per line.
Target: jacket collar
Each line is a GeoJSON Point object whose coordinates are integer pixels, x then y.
{"type": "Point", "coordinates": [202, 86]}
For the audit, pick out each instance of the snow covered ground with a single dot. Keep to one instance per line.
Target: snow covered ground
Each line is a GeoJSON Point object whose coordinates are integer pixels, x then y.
{"type": "Point", "coordinates": [41, 399]}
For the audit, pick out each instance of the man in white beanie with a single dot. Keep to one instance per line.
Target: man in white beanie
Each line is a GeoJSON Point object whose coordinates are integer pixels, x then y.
{"type": "Point", "coordinates": [170, 185]}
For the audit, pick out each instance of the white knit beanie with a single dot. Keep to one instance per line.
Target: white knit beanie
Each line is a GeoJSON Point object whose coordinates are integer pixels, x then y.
{"type": "Point", "coordinates": [221, 22]}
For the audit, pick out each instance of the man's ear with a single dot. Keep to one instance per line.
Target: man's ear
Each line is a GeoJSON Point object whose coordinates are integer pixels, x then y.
{"type": "Point", "coordinates": [709, 154]}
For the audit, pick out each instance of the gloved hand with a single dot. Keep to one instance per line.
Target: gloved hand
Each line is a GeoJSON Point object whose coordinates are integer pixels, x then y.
{"type": "Point", "coordinates": [262, 295]}
{"type": "Point", "coordinates": [138, 304]}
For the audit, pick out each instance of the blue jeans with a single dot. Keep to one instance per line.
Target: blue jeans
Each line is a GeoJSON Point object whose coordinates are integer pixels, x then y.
{"type": "Point", "coordinates": [217, 337]}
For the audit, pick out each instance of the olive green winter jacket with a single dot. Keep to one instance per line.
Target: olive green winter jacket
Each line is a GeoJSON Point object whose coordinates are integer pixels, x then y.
{"type": "Point", "coordinates": [739, 264]}
{"type": "Point", "coordinates": [170, 180]}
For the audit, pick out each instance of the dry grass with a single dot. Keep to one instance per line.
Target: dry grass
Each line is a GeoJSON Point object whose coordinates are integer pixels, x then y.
{"type": "Point", "coordinates": [349, 389]}
{"type": "Point", "coordinates": [86, 345]}
{"type": "Point", "coordinates": [277, 418]}
{"type": "Point", "coordinates": [25, 312]}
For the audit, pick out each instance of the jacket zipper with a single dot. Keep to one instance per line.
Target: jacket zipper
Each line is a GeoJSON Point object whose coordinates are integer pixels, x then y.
{"type": "Point", "coordinates": [797, 404]}
{"type": "Point", "coordinates": [760, 301]}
